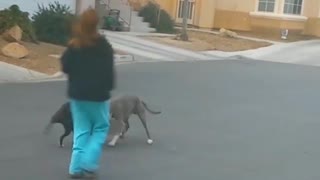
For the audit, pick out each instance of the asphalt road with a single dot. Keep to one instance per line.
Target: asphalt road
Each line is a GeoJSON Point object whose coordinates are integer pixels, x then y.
{"type": "Point", "coordinates": [224, 120]}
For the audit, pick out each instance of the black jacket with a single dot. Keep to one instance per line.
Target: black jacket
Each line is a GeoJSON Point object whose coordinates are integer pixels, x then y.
{"type": "Point", "coordinates": [90, 71]}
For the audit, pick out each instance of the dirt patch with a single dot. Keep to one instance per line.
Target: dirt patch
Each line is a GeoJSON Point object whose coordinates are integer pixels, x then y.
{"type": "Point", "coordinates": [201, 41]}
{"type": "Point", "coordinates": [39, 58]}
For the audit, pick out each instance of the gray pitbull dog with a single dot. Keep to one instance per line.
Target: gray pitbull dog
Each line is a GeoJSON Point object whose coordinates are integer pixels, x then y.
{"type": "Point", "coordinates": [121, 108]}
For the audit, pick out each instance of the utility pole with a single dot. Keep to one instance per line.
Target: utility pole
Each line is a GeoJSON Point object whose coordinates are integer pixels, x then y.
{"type": "Point", "coordinates": [159, 14]}
{"type": "Point", "coordinates": [184, 35]}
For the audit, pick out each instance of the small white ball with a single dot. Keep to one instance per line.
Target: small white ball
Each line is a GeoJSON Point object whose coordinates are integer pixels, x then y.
{"type": "Point", "coordinates": [150, 141]}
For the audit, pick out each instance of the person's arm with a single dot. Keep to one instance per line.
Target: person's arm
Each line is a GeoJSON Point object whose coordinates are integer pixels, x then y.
{"type": "Point", "coordinates": [112, 69]}
{"type": "Point", "coordinates": [110, 65]}
{"type": "Point", "coordinates": [65, 60]}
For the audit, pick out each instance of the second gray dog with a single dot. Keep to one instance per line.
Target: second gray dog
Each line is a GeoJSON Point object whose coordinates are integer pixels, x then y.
{"type": "Point", "coordinates": [122, 108]}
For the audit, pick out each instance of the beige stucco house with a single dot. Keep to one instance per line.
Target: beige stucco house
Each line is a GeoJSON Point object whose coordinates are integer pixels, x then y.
{"type": "Point", "coordinates": [300, 16]}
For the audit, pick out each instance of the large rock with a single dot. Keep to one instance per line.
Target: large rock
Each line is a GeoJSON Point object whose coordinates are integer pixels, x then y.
{"type": "Point", "coordinates": [15, 50]}
{"type": "Point", "coordinates": [228, 33]}
{"type": "Point", "coordinates": [13, 34]}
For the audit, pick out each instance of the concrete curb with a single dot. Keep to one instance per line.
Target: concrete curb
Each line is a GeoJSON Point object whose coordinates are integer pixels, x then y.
{"type": "Point", "coordinates": [24, 74]}
{"type": "Point", "coordinates": [20, 73]}
{"type": "Point", "coordinates": [59, 76]}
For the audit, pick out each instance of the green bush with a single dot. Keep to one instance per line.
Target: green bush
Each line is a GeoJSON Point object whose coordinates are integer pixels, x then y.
{"type": "Point", "coordinates": [14, 16]}
{"type": "Point", "coordinates": [52, 24]}
{"type": "Point", "coordinates": [150, 14]}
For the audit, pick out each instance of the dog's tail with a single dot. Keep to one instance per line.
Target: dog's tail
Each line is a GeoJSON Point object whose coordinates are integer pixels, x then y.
{"type": "Point", "coordinates": [49, 126]}
{"type": "Point", "coordinates": [55, 118]}
{"type": "Point", "coordinates": [148, 109]}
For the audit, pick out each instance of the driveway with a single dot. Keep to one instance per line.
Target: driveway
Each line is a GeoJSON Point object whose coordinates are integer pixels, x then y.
{"type": "Point", "coordinates": [224, 120]}
{"type": "Point", "coordinates": [144, 49]}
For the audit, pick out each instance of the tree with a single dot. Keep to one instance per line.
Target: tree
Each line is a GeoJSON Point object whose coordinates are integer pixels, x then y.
{"type": "Point", "coordinates": [184, 35]}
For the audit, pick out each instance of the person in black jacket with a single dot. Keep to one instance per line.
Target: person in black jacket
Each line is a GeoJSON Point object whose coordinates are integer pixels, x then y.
{"type": "Point", "coordinates": [89, 64]}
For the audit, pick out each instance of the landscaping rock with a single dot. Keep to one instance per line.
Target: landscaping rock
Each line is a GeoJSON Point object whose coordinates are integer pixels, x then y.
{"type": "Point", "coordinates": [177, 37]}
{"type": "Point", "coordinates": [14, 34]}
{"type": "Point", "coordinates": [15, 50]}
{"type": "Point", "coordinates": [228, 33]}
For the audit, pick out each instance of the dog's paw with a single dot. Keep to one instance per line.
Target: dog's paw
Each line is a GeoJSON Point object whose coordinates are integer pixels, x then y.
{"type": "Point", "coordinates": [111, 144]}
{"type": "Point", "coordinates": [150, 141]}
{"type": "Point", "coordinates": [61, 146]}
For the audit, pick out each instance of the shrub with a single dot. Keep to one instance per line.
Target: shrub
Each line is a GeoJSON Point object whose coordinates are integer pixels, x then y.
{"type": "Point", "coordinates": [150, 14]}
{"type": "Point", "coordinates": [52, 24]}
{"type": "Point", "coordinates": [14, 16]}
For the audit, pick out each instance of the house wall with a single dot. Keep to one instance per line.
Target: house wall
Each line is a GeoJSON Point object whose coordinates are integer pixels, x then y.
{"type": "Point", "coordinates": [83, 5]}
{"type": "Point", "coordinates": [312, 27]}
{"type": "Point", "coordinates": [137, 4]}
{"type": "Point", "coordinates": [236, 20]}
{"type": "Point", "coordinates": [168, 5]}
{"type": "Point", "coordinates": [233, 14]}
{"type": "Point", "coordinates": [236, 14]}
{"type": "Point", "coordinates": [311, 8]}
{"type": "Point", "coordinates": [273, 26]}
{"type": "Point", "coordinates": [242, 15]}
{"type": "Point", "coordinates": [204, 13]}
{"type": "Point", "coordinates": [236, 5]}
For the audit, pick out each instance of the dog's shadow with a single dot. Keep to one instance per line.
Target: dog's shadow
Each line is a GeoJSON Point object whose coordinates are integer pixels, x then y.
{"type": "Point", "coordinates": [126, 144]}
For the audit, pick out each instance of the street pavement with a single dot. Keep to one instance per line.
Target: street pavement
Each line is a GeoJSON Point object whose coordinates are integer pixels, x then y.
{"type": "Point", "coordinates": [224, 120]}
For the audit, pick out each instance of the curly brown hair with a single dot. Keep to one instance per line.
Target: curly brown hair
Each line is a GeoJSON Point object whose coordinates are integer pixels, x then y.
{"type": "Point", "coordinates": [85, 32]}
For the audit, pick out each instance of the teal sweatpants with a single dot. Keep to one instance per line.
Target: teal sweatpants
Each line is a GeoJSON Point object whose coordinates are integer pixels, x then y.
{"type": "Point", "coordinates": [91, 126]}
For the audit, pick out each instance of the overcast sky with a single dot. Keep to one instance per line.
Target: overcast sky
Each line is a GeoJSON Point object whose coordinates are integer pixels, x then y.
{"type": "Point", "coordinates": [31, 5]}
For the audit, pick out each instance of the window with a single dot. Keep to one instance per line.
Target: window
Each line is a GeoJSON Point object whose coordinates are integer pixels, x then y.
{"type": "Point", "coordinates": [266, 5]}
{"type": "Point", "coordinates": [292, 7]}
{"type": "Point", "coordinates": [190, 9]}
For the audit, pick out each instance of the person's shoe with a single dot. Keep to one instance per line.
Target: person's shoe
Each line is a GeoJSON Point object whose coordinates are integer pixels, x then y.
{"type": "Point", "coordinates": [76, 176]}
{"type": "Point", "coordinates": [90, 175]}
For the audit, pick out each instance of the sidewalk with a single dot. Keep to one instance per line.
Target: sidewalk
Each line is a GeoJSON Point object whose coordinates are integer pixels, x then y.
{"type": "Point", "coordinates": [303, 52]}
